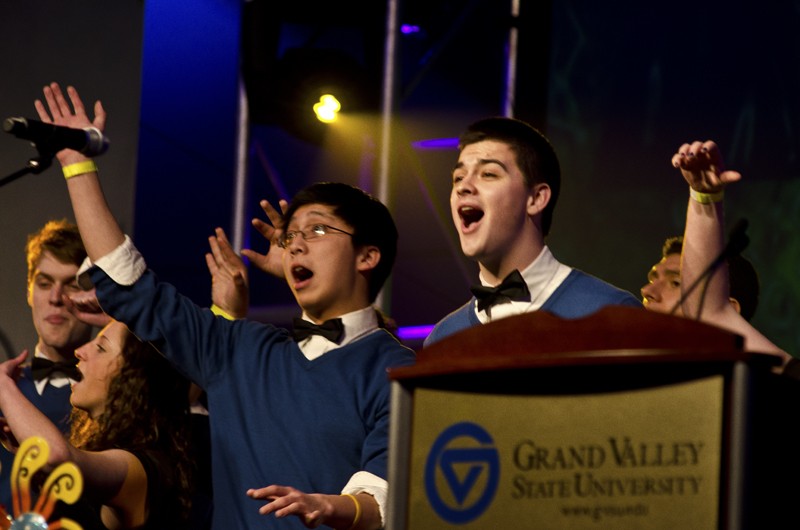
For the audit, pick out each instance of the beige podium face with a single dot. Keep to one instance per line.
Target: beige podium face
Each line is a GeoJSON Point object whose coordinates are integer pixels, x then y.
{"type": "Point", "coordinates": [647, 458]}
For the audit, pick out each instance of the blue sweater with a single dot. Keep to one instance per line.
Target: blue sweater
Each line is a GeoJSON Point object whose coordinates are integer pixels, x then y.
{"type": "Point", "coordinates": [275, 416]}
{"type": "Point", "coordinates": [579, 295]}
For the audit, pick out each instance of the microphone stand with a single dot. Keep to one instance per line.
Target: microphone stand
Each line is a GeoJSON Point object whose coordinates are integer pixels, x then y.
{"type": "Point", "coordinates": [35, 165]}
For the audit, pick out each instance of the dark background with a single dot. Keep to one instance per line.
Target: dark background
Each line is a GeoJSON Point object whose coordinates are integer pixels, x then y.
{"type": "Point", "coordinates": [617, 88]}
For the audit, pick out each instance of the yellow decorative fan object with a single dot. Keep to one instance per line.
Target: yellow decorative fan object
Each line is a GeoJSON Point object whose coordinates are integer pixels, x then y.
{"type": "Point", "coordinates": [65, 483]}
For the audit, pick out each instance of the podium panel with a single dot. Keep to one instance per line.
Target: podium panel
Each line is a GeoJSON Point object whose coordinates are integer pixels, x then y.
{"type": "Point", "coordinates": [498, 427]}
{"type": "Point", "coordinates": [625, 458]}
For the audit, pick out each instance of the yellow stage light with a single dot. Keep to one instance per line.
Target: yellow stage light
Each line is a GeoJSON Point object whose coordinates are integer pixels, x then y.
{"type": "Point", "coordinates": [327, 108]}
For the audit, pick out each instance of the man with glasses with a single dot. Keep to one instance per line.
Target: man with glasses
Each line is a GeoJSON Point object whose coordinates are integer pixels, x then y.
{"type": "Point", "coordinates": [293, 417]}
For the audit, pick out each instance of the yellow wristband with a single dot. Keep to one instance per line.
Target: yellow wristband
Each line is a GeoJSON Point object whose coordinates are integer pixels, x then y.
{"type": "Point", "coordinates": [357, 517]}
{"type": "Point", "coordinates": [221, 312]}
{"type": "Point", "coordinates": [705, 198]}
{"type": "Point", "coordinates": [79, 169]}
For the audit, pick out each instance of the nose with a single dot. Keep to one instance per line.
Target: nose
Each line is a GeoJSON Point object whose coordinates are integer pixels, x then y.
{"type": "Point", "coordinates": [56, 293]}
{"type": "Point", "coordinates": [80, 352]}
{"type": "Point", "coordinates": [465, 185]}
{"type": "Point", "coordinates": [297, 244]}
{"type": "Point", "coordinates": [650, 292]}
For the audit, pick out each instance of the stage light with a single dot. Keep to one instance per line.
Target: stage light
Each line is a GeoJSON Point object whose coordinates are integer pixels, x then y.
{"type": "Point", "coordinates": [297, 82]}
{"type": "Point", "coordinates": [327, 108]}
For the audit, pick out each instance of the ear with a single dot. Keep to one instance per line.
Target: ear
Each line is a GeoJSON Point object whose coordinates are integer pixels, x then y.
{"type": "Point", "coordinates": [735, 304]}
{"type": "Point", "coordinates": [367, 258]}
{"type": "Point", "coordinates": [538, 197]}
{"type": "Point", "coordinates": [29, 294]}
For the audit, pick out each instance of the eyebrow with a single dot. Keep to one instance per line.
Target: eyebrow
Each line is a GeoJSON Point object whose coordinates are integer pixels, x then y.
{"type": "Point", "coordinates": [668, 273]}
{"type": "Point", "coordinates": [327, 217]}
{"type": "Point", "coordinates": [483, 162]}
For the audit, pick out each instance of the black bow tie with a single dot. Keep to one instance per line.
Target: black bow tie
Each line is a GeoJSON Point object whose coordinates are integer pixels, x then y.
{"type": "Point", "coordinates": [330, 329]}
{"type": "Point", "coordinates": [512, 288]}
{"type": "Point", "coordinates": [42, 368]}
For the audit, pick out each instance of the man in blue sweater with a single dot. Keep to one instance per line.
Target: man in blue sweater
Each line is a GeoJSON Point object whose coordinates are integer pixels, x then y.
{"type": "Point", "coordinates": [299, 424]}
{"type": "Point", "coordinates": [54, 254]}
{"type": "Point", "coordinates": [505, 187]}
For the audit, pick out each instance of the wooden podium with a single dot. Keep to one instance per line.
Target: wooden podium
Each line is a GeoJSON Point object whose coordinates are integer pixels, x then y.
{"type": "Point", "coordinates": [624, 419]}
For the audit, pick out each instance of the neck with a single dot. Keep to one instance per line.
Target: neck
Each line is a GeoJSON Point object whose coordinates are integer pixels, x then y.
{"type": "Point", "coordinates": [56, 354]}
{"type": "Point", "coordinates": [494, 272]}
{"type": "Point", "coordinates": [328, 315]}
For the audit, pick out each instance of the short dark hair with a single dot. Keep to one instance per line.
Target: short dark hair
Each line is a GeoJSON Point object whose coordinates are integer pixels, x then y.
{"type": "Point", "coordinates": [370, 218]}
{"type": "Point", "coordinates": [59, 237]}
{"type": "Point", "coordinates": [535, 154]}
{"type": "Point", "coordinates": [744, 282]}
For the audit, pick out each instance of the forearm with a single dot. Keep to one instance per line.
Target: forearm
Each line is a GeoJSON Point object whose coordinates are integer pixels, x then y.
{"type": "Point", "coordinates": [25, 420]}
{"type": "Point", "coordinates": [98, 227]}
{"type": "Point", "coordinates": [348, 516]}
{"type": "Point", "coordinates": [703, 242]}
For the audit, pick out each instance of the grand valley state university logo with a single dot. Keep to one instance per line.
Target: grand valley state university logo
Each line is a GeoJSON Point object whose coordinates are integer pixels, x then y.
{"type": "Point", "coordinates": [462, 473]}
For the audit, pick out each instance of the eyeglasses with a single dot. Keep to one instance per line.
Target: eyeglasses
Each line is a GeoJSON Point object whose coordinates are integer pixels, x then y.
{"type": "Point", "coordinates": [311, 233]}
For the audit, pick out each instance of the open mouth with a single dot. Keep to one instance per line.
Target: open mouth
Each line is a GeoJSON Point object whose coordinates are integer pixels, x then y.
{"type": "Point", "coordinates": [300, 273]}
{"type": "Point", "coordinates": [469, 215]}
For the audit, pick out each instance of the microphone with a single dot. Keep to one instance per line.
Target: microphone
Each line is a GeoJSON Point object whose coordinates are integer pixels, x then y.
{"type": "Point", "coordinates": [737, 242]}
{"type": "Point", "coordinates": [53, 138]}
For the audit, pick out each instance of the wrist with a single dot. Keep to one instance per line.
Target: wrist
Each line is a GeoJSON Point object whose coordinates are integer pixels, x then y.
{"type": "Point", "coordinates": [71, 157]}
{"type": "Point", "coordinates": [217, 310]}
{"type": "Point", "coordinates": [79, 168]}
{"type": "Point", "coordinates": [706, 198]}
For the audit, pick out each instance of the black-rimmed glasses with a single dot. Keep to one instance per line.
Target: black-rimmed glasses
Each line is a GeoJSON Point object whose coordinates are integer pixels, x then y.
{"type": "Point", "coordinates": [310, 233]}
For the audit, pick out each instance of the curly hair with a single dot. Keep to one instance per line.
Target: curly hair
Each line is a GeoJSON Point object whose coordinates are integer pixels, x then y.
{"type": "Point", "coordinates": [147, 409]}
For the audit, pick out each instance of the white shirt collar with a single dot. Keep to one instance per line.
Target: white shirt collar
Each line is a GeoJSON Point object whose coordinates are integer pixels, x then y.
{"type": "Point", "coordinates": [58, 379]}
{"type": "Point", "coordinates": [356, 325]}
{"type": "Point", "coordinates": [543, 276]}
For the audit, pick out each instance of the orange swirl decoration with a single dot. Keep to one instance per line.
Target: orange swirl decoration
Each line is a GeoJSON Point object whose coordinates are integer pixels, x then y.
{"type": "Point", "coordinates": [65, 483]}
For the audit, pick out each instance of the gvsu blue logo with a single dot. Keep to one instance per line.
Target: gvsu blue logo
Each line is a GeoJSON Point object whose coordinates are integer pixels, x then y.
{"type": "Point", "coordinates": [462, 472]}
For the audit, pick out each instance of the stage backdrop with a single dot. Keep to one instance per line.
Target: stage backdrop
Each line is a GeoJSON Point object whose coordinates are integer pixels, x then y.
{"type": "Point", "coordinates": [617, 88]}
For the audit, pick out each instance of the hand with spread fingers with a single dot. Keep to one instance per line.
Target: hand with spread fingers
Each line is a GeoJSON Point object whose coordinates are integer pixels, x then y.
{"type": "Point", "coordinates": [316, 509]}
{"type": "Point", "coordinates": [271, 262]}
{"type": "Point", "coordinates": [68, 114]}
{"type": "Point", "coordinates": [229, 281]}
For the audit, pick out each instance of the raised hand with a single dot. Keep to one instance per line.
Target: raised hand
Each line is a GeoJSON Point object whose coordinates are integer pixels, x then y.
{"type": "Point", "coordinates": [230, 289]}
{"type": "Point", "coordinates": [60, 112]}
{"type": "Point", "coordinates": [272, 261]}
{"type": "Point", "coordinates": [702, 167]}
{"type": "Point", "coordinates": [11, 367]}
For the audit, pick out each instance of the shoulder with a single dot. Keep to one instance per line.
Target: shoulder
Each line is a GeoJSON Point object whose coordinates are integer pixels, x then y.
{"type": "Point", "coordinates": [582, 294]}
{"type": "Point", "coordinates": [383, 348]}
{"type": "Point", "coordinates": [461, 318]}
{"type": "Point", "coordinates": [131, 498]}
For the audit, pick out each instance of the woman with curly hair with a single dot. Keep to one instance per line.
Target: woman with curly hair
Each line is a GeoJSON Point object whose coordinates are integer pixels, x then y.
{"type": "Point", "coordinates": [129, 434]}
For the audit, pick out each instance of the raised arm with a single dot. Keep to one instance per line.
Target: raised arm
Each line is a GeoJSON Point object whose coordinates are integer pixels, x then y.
{"type": "Point", "coordinates": [98, 227]}
{"type": "Point", "coordinates": [704, 239]}
{"type": "Point", "coordinates": [702, 167]}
